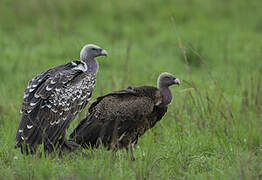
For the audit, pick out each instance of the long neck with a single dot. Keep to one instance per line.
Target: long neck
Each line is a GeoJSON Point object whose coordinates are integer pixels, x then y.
{"type": "Point", "coordinates": [167, 95]}
{"type": "Point", "coordinates": [92, 65]}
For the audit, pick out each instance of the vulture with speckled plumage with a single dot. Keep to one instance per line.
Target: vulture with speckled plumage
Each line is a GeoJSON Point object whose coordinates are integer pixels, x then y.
{"type": "Point", "coordinates": [53, 98]}
{"type": "Point", "coordinates": [119, 118]}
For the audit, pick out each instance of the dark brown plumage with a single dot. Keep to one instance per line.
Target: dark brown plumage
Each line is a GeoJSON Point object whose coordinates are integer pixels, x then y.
{"type": "Point", "coordinates": [53, 99]}
{"type": "Point", "coordinates": [118, 119]}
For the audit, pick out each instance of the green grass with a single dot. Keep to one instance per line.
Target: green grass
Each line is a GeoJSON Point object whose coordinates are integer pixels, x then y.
{"type": "Point", "coordinates": [213, 127]}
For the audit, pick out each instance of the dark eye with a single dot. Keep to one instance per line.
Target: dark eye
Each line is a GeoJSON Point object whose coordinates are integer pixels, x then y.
{"type": "Point", "coordinates": [167, 77]}
{"type": "Point", "coordinates": [94, 49]}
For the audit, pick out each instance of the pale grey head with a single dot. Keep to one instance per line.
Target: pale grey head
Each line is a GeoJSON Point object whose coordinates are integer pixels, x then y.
{"type": "Point", "coordinates": [166, 79]}
{"type": "Point", "coordinates": [91, 51]}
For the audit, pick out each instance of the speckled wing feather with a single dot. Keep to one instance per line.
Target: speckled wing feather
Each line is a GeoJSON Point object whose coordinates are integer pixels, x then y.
{"type": "Point", "coordinates": [51, 101]}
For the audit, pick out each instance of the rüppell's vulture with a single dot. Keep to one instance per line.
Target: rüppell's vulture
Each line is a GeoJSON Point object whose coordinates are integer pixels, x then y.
{"type": "Point", "coordinates": [119, 118]}
{"type": "Point", "coordinates": [53, 98]}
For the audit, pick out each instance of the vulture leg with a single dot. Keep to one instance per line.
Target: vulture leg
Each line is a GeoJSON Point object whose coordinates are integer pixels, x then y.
{"type": "Point", "coordinates": [131, 149]}
{"type": "Point", "coordinates": [32, 150]}
{"type": "Point", "coordinates": [24, 148]}
{"type": "Point", "coordinates": [67, 145]}
{"type": "Point", "coordinates": [132, 152]}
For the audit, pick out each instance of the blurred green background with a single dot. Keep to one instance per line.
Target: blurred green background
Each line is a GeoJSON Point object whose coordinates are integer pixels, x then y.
{"type": "Point", "coordinates": [213, 127]}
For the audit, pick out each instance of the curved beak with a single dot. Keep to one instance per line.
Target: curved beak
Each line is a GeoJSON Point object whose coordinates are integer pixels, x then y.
{"type": "Point", "coordinates": [177, 81]}
{"type": "Point", "coordinates": [103, 53]}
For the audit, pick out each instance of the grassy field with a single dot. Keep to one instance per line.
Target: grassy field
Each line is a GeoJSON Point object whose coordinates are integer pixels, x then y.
{"type": "Point", "coordinates": [213, 128]}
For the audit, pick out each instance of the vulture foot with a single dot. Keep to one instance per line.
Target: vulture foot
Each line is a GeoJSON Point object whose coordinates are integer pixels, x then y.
{"type": "Point", "coordinates": [69, 146]}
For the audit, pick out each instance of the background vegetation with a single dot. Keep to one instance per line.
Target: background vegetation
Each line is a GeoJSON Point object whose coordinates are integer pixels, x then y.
{"type": "Point", "coordinates": [214, 124]}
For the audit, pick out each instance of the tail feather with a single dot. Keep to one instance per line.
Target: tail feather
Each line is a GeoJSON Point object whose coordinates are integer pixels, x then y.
{"type": "Point", "coordinates": [28, 135]}
{"type": "Point", "coordinates": [86, 132]}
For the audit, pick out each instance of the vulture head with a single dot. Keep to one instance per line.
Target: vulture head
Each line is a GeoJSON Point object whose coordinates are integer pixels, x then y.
{"type": "Point", "coordinates": [91, 51]}
{"type": "Point", "coordinates": [166, 79]}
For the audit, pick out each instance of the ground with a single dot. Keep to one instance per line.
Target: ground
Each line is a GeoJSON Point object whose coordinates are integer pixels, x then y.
{"type": "Point", "coordinates": [213, 127]}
